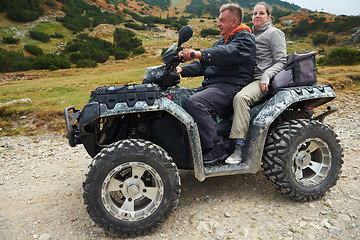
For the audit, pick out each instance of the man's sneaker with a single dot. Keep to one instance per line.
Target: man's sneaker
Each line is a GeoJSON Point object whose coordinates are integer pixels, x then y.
{"type": "Point", "coordinates": [214, 155]}
{"type": "Point", "coordinates": [237, 156]}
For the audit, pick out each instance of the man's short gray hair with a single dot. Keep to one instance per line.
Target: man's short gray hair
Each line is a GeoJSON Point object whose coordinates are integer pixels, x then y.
{"type": "Point", "coordinates": [234, 9]}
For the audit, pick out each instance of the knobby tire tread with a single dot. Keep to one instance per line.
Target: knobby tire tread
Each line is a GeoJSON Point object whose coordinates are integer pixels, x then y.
{"type": "Point", "coordinates": [126, 147]}
{"type": "Point", "coordinates": [277, 154]}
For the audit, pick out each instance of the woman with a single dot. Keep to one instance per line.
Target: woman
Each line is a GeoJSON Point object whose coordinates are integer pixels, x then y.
{"type": "Point", "coordinates": [270, 59]}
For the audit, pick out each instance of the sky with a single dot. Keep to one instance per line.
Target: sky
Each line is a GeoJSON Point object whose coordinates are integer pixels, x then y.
{"type": "Point", "coordinates": [338, 7]}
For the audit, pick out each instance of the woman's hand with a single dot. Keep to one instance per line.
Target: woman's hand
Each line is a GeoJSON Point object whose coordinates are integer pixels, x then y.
{"type": "Point", "coordinates": [264, 87]}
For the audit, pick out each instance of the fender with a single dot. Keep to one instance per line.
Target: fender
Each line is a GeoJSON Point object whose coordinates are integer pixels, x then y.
{"type": "Point", "coordinates": [260, 124]}
{"type": "Point", "coordinates": [94, 111]}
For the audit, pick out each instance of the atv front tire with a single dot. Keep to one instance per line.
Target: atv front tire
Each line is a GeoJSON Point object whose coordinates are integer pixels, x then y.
{"type": "Point", "coordinates": [131, 188]}
{"type": "Point", "coordinates": [302, 158]}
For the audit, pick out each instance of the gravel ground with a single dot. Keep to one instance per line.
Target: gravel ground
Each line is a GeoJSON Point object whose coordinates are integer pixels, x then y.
{"type": "Point", "coordinates": [41, 178]}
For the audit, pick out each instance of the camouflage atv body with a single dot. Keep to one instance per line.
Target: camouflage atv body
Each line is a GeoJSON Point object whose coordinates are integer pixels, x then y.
{"type": "Point", "coordinates": [140, 135]}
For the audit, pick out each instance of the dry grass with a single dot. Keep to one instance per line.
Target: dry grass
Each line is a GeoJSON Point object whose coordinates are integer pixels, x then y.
{"type": "Point", "coordinates": [340, 77]}
{"type": "Point", "coordinates": [52, 91]}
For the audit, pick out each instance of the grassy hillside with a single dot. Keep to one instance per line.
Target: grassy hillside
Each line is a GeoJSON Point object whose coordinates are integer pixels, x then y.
{"type": "Point", "coordinates": [52, 91]}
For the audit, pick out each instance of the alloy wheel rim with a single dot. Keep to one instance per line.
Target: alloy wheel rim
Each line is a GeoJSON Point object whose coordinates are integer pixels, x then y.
{"type": "Point", "coordinates": [132, 191]}
{"type": "Point", "coordinates": [311, 162]}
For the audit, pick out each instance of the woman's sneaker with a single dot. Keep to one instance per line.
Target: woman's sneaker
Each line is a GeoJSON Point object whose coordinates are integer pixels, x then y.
{"type": "Point", "coordinates": [237, 156]}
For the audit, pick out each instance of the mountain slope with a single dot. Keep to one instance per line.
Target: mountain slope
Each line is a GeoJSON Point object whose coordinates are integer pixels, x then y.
{"type": "Point", "coordinates": [177, 8]}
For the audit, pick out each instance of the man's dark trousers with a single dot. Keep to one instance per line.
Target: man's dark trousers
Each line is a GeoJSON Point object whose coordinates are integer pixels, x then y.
{"type": "Point", "coordinates": [201, 105]}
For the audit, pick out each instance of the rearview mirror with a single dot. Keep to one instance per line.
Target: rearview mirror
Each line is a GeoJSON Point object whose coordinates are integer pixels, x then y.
{"type": "Point", "coordinates": [184, 35]}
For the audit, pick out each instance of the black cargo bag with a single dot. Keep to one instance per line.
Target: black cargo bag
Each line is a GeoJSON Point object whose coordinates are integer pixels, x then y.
{"type": "Point", "coordinates": [300, 70]}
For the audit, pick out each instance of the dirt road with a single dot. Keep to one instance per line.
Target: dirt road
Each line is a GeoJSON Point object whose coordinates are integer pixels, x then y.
{"type": "Point", "coordinates": [41, 178]}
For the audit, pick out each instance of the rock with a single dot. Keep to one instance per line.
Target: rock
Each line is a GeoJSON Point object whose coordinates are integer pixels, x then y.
{"type": "Point", "coordinates": [23, 100]}
{"type": "Point", "coordinates": [214, 224]}
{"type": "Point", "coordinates": [335, 229]}
{"type": "Point", "coordinates": [325, 223]}
{"type": "Point", "coordinates": [220, 234]}
{"type": "Point", "coordinates": [44, 236]}
{"type": "Point", "coordinates": [302, 224]}
{"type": "Point", "coordinates": [203, 227]}
{"type": "Point", "coordinates": [345, 218]}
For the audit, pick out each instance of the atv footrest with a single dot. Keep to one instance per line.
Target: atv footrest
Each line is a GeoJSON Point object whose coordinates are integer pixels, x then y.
{"type": "Point", "coordinates": [226, 169]}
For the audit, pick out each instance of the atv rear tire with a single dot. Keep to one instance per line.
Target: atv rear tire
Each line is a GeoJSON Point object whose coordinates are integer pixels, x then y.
{"type": "Point", "coordinates": [131, 188]}
{"type": "Point", "coordinates": [302, 158]}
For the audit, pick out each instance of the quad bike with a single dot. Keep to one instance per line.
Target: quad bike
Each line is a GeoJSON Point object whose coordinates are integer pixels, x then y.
{"type": "Point", "coordinates": [140, 135]}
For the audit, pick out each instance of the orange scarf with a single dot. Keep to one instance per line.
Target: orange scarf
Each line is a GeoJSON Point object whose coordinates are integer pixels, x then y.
{"type": "Point", "coordinates": [241, 27]}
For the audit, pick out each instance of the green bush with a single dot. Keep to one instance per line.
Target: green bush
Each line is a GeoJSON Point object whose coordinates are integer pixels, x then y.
{"type": "Point", "coordinates": [10, 40]}
{"type": "Point", "coordinates": [51, 3]}
{"type": "Point", "coordinates": [11, 61]}
{"type": "Point", "coordinates": [121, 53]}
{"type": "Point", "coordinates": [24, 10]}
{"type": "Point", "coordinates": [301, 29]}
{"type": "Point", "coordinates": [57, 35]}
{"type": "Point", "coordinates": [99, 56]}
{"type": "Point", "coordinates": [125, 39]}
{"type": "Point", "coordinates": [75, 56]}
{"type": "Point", "coordinates": [40, 36]}
{"type": "Point", "coordinates": [81, 15]}
{"type": "Point", "coordinates": [341, 56]}
{"type": "Point", "coordinates": [134, 26]}
{"type": "Point", "coordinates": [84, 63]}
{"type": "Point", "coordinates": [320, 39]}
{"type": "Point", "coordinates": [205, 32]}
{"type": "Point", "coordinates": [34, 50]}
{"type": "Point", "coordinates": [139, 50]}
{"type": "Point", "coordinates": [51, 61]}
{"type": "Point", "coordinates": [331, 41]}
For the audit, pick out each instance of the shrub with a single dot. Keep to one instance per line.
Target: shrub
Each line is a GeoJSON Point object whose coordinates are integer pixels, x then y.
{"type": "Point", "coordinates": [34, 50]}
{"type": "Point", "coordinates": [331, 41]}
{"type": "Point", "coordinates": [10, 40]}
{"type": "Point", "coordinates": [51, 3]}
{"type": "Point", "coordinates": [57, 35]}
{"type": "Point", "coordinates": [341, 56]}
{"type": "Point", "coordinates": [139, 50]}
{"type": "Point", "coordinates": [99, 56]}
{"type": "Point", "coordinates": [41, 36]}
{"type": "Point", "coordinates": [24, 11]}
{"type": "Point", "coordinates": [301, 30]}
{"type": "Point", "coordinates": [205, 32]}
{"type": "Point", "coordinates": [74, 57]}
{"type": "Point", "coordinates": [84, 63]}
{"type": "Point", "coordinates": [121, 53]}
{"type": "Point", "coordinates": [81, 15]}
{"type": "Point", "coordinates": [46, 62]}
{"type": "Point", "coordinates": [320, 39]}
{"type": "Point", "coordinates": [11, 61]}
{"type": "Point", "coordinates": [134, 26]}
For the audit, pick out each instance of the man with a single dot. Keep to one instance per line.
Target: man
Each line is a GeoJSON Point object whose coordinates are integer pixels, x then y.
{"type": "Point", "coordinates": [227, 67]}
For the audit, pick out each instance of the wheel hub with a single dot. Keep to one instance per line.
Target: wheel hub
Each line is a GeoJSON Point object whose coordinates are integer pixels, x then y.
{"type": "Point", "coordinates": [133, 190]}
{"type": "Point", "coordinates": [303, 159]}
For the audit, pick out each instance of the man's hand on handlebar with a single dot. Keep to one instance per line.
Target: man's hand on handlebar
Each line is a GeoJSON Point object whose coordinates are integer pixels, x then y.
{"type": "Point", "coordinates": [179, 70]}
{"type": "Point", "coordinates": [189, 54]}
